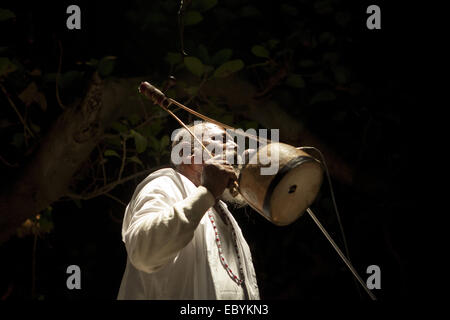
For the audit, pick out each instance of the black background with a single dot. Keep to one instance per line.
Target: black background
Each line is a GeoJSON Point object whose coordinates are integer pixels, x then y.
{"type": "Point", "coordinates": [293, 262]}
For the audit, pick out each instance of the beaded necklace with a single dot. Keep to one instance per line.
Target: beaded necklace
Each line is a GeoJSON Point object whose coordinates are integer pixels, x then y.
{"type": "Point", "coordinates": [219, 247]}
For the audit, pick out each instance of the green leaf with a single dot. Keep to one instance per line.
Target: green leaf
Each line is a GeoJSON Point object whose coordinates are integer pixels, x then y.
{"type": "Point", "coordinates": [154, 143]}
{"type": "Point", "coordinates": [45, 221]}
{"type": "Point", "coordinates": [289, 10]}
{"type": "Point", "coordinates": [260, 51]}
{"type": "Point", "coordinates": [135, 160]}
{"type": "Point", "coordinates": [119, 127]}
{"type": "Point", "coordinates": [343, 18]}
{"type": "Point", "coordinates": [327, 38]}
{"type": "Point", "coordinates": [70, 79]}
{"type": "Point", "coordinates": [78, 203]}
{"type": "Point", "coordinates": [227, 118]}
{"type": "Point", "coordinates": [341, 74]}
{"type": "Point", "coordinates": [331, 57]}
{"type": "Point", "coordinates": [221, 56]}
{"type": "Point", "coordinates": [156, 127]}
{"type": "Point", "coordinates": [323, 6]}
{"type": "Point", "coordinates": [111, 153]}
{"type": "Point", "coordinates": [192, 91]}
{"type": "Point", "coordinates": [192, 17]}
{"type": "Point", "coordinates": [155, 18]}
{"type": "Point", "coordinates": [31, 94]}
{"type": "Point", "coordinates": [228, 68]}
{"type": "Point", "coordinates": [35, 128]}
{"type": "Point", "coordinates": [114, 141]}
{"type": "Point", "coordinates": [49, 77]}
{"type": "Point", "coordinates": [6, 66]}
{"type": "Point", "coordinates": [207, 69]}
{"type": "Point", "coordinates": [6, 14]}
{"type": "Point", "coordinates": [45, 226]}
{"type": "Point", "coordinates": [273, 43]}
{"type": "Point", "coordinates": [150, 130]}
{"type": "Point", "coordinates": [173, 58]}
{"type": "Point", "coordinates": [306, 63]}
{"type": "Point", "coordinates": [18, 140]}
{"type": "Point", "coordinates": [323, 96]}
{"type": "Point", "coordinates": [134, 119]}
{"type": "Point", "coordinates": [203, 5]}
{"type": "Point", "coordinates": [295, 81]}
{"type": "Point", "coordinates": [194, 65]}
{"type": "Point", "coordinates": [246, 124]}
{"type": "Point", "coordinates": [203, 54]}
{"type": "Point", "coordinates": [106, 66]}
{"type": "Point", "coordinates": [92, 62]}
{"type": "Point", "coordinates": [164, 142]}
{"type": "Point", "coordinates": [250, 11]}
{"type": "Point", "coordinates": [139, 140]}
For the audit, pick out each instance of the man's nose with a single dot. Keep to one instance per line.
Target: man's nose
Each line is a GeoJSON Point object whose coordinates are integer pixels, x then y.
{"type": "Point", "coordinates": [231, 144]}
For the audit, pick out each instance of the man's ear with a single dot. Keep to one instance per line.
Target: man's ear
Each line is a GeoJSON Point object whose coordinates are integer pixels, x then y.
{"type": "Point", "coordinates": [191, 163]}
{"type": "Point", "coordinates": [198, 158]}
{"type": "Point", "coordinates": [191, 159]}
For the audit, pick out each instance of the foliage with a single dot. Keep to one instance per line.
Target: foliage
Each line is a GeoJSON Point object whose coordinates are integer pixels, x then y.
{"type": "Point", "coordinates": [39, 225]}
{"type": "Point", "coordinates": [300, 54]}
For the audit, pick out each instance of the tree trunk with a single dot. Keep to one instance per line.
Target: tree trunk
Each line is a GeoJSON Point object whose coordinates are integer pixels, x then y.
{"type": "Point", "coordinates": [61, 153]}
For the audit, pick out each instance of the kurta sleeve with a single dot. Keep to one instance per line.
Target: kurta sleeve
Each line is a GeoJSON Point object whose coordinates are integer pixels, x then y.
{"type": "Point", "coordinates": [162, 223]}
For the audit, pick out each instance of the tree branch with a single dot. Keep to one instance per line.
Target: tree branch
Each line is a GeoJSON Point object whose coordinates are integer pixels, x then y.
{"type": "Point", "coordinates": [17, 111]}
{"type": "Point", "coordinates": [63, 150]}
{"type": "Point", "coordinates": [240, 98]}
{"type": "Point", "coordinates": [61, 153]}
{"type": "Point", "coordinates": [124, 157]}
{"type": "Point", "coordinates": [109, 187]}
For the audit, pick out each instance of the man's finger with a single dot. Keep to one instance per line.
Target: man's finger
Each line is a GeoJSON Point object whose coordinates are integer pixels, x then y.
{"type": "Point", "coordinates": [233, 175]}
{"type": "Point", "coordinates": [232, 179]}
{"type": "Point", "coordinates": [218, 158]}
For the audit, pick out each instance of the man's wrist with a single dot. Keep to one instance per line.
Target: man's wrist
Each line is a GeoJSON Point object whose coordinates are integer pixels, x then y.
{"type": "Point", "coordinates": [209, 190]}
{"type": "Point", "coordinates": [207, 194]}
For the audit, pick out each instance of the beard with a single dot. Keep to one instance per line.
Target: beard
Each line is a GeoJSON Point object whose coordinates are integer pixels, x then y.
{"type": "Point", "coordinates": [238, 201]}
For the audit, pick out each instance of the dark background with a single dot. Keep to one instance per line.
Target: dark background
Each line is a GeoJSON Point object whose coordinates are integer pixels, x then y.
{"type": "Point", "coordinates": [372, 128]}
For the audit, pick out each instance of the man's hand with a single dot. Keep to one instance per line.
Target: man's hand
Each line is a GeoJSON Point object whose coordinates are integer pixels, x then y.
{"type": "Point", "coordinates": [217, 175]}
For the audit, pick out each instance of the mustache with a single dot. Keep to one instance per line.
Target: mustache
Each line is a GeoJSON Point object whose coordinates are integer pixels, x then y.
{"type": "Point", "coordinates": [235, 201]}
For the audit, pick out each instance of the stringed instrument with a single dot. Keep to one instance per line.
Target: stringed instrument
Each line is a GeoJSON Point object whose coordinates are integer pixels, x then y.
{"type": "Point", "coordinates": [281, 197]}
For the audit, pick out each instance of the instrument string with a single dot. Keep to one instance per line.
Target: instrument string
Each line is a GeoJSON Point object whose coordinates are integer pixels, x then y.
{"type": "Point", "coordinates": [181, 12]}
{"type": "Point", "coordinates": [338, 216]}
{"type": "Point", "coordinates": [333, 198]}
{"type": "Point", "coordinates": [235, 186]}
{"type": "Point", "coordinates": [346, 261]}
{"type": "Point", "coordinates": [237, 132]}
{"type": "Point", "coordinates": [189, 130]}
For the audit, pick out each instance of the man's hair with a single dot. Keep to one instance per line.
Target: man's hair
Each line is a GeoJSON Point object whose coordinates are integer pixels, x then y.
{"type": "Point", "coordinates": [184, 134]}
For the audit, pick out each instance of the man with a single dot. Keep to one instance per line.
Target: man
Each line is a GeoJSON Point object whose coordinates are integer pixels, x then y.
{"type": "Point", "coordinates": [181, 240]}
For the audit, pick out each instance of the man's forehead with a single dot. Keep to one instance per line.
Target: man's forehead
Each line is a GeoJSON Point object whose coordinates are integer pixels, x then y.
{"type": "Point", "coordinates": [211, 130]}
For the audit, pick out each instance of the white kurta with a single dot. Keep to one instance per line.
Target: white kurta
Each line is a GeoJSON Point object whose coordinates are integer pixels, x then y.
{"type": "Point", "coordinates": [171, 247]}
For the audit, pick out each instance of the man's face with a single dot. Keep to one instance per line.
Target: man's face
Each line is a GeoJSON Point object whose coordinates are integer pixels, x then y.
{"type": "Point", "coordinates": [221, 146]}
{"type": "Point", "coordinates": [219, 143]}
